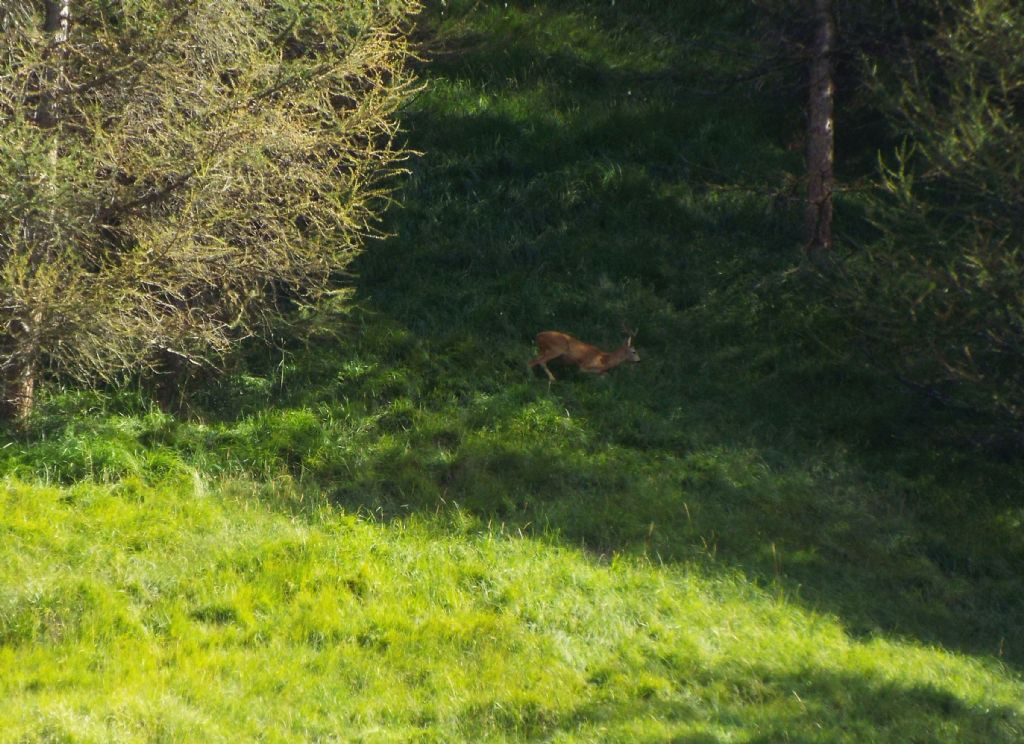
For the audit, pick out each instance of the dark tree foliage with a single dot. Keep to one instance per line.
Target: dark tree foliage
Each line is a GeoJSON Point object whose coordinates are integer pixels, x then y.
{"type": "Point", "coordinates": [940, 292]}
{"type": "Point", "coordinates": [929, 100]}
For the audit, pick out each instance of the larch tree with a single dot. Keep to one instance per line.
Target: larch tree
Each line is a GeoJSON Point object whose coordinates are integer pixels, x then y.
{"type": "Point", "coordinates": [168, 170]}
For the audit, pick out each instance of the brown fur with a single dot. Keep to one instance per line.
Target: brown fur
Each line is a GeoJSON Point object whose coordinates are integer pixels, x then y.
{"type": "Point", "coordinates": [558, 345]}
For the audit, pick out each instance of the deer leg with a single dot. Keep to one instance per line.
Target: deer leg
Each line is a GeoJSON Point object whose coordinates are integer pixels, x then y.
{"type": "Point", "coordinates": [542, 360]}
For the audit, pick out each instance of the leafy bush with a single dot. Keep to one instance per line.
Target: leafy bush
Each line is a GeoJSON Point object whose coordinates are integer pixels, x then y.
{"type": "Point", "coordinates": [939, 292]}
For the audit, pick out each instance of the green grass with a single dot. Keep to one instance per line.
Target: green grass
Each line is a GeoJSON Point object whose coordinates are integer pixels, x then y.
{"type": "Point", "coordinates": [162, 614]}
{"type": "Point", "coordinates": [389, 530]}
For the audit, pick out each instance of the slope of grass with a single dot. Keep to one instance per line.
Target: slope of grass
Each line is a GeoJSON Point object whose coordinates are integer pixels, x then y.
{"type": "Point", "coordinates": [392, 531]}
{"type": "Point", "coordinates": [133, 613]}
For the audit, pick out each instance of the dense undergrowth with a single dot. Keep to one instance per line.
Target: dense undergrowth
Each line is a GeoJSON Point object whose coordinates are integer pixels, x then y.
{"type": "Point", "coordinates": [390, 530]}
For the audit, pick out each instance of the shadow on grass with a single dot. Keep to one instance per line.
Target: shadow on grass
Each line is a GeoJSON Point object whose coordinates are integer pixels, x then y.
{"type": "Point", "coordinates": [640, 462]}
{"type": "Point", "coordinates": [719, 705]}
{"type": "Point", "coordinates": [570, 183]}
{"type": "Point", "coordinates": [548, 198]}
{"type": "Point", "coordinates": [817, 707]}
{"type": "Point", "coordinates": [737, 443]}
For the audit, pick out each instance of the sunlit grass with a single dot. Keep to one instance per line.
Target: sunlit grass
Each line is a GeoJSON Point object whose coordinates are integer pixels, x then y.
{"type": "Point", "coordinates": [180, 614]}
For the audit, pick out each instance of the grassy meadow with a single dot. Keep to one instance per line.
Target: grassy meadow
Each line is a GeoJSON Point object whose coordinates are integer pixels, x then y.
{"type": "Point", "coordinates": [386, 529]}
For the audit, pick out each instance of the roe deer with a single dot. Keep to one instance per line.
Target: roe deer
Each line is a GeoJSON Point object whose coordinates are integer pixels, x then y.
{"type": "Point", "coordinates": [555, 344]}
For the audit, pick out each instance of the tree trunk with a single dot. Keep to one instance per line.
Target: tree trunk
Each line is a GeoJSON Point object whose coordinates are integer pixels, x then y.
{"type": "Point", "coordinates": [820, 139]}
{"type": "Point", "coordinates": [18, 374]}
{"type": "Point", "coordinates": [20, 342]}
